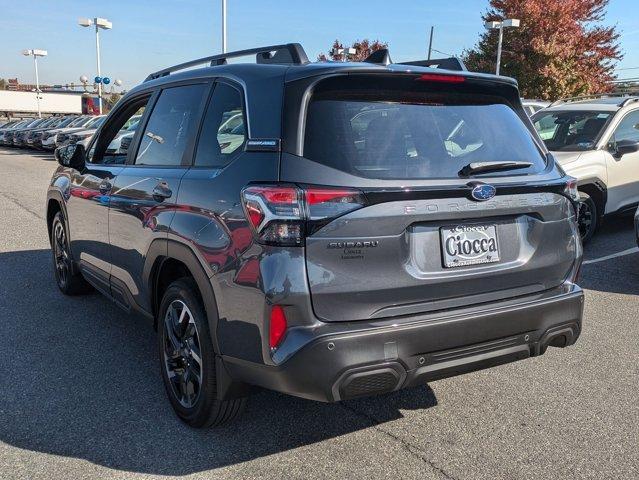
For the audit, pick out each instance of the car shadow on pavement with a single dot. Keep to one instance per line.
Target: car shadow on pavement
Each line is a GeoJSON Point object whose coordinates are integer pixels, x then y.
{"type": "Point", "coordinates": [80, 379]}
{"type": "Point", "coordinates": [32, 153]}
{"type": "Point", "coordinates": [616, 274]}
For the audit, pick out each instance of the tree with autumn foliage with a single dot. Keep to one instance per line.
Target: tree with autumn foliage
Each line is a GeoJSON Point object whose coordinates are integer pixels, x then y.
{"type": "Point", "coordinates": [561, 49]}
{"type": "Point", "coordinates": [363, 48]}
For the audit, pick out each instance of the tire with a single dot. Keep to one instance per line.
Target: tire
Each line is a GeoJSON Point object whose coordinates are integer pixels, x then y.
{"type": "Point", "coordinates": [69, 281]}
{"type": "Point", "coordinates": [588, 218]}
{"type": "Point", "coordinates": [190, 384]}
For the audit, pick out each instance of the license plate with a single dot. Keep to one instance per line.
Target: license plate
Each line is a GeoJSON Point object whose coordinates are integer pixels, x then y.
{"type": "Point", "coordinates": [466, 245]}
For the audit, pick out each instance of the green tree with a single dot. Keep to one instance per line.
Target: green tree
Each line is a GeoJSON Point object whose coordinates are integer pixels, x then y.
{"type": "Point", "coordinates": [3, 84]}
{"type": "Point", "coordinates": [561, 49]}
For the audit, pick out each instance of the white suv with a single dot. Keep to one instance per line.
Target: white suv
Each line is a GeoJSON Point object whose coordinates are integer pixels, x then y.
{"type": "Point", "coordinates": [596, 140]}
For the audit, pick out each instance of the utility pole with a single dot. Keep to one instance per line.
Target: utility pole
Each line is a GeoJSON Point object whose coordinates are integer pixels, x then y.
{"type": "Point", "coordinates": [497, 25]}
{"type": "Point", "coordinates": [35, 53]}
{"type": "Point", "coordinates": [223, 26]}
{"type": "Point", "coordinates": [100, 23]}
{"type": "Point", "coordinates": [430, 42]}
{"type": "Point", "coordinates": [97, 55]}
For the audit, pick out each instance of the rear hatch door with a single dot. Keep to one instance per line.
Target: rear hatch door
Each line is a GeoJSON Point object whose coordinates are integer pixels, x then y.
{"type": "Point", "coordinates": [428, 237]}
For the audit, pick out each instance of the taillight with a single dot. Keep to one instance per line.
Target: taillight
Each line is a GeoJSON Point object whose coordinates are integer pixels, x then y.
{"type": "Point", "coordinates": [282, 214]}
{"type": "Point", "coordinates": [277, 326]}
{"type": "Point", "coordinates": [571, 189]}
{"type": "Point", "coordinates": [436, 77]}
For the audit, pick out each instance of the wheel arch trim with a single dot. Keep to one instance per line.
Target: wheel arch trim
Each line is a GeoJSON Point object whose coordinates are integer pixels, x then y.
{"type": "Point", "coordinates": [161, 250]}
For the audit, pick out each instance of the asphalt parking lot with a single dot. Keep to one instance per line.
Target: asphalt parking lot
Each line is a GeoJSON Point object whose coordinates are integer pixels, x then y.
{"type": "Point", "coordinates": [81, 396]}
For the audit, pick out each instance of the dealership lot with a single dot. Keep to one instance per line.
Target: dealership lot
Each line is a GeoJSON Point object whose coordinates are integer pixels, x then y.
{"type": "Point", "coordinates": [81, 396]}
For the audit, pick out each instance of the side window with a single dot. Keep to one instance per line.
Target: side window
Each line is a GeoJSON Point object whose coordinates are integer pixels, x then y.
{"type": "Point", "coordinates": [172, 122]}
{"type": "Point", "coordinates": [628, 128]}
{"type": "Point", "coordinates": [116, 136]}
{"type": "Point", "coordinates": [223, 132]}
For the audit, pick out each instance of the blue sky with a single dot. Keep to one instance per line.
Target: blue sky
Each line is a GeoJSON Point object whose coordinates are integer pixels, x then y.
{"type": "Point", "coordinates": [150, 34]}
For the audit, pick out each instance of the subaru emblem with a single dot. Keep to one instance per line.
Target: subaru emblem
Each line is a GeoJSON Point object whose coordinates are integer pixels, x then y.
{"type": "Point", "coordinates": [483, 192]}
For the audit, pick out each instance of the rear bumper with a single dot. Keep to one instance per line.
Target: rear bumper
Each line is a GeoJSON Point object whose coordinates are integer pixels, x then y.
{"type": "Point", "coordinates": [360, 362]}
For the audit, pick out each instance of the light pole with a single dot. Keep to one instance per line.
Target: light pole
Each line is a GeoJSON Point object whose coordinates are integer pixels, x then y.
{"type": "Point", "coordinates": [100, 23]}
{"type": "Point", "coordinates": [223, 26]}
{"type": "Point", "coordinates": [35, 53]}
{"type": "Point", "coordinates": [509, 23]}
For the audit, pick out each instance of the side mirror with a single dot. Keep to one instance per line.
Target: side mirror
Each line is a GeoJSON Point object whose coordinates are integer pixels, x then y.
{"type": "Point", "coordinates": [626, 146]}
{"type": "Point", "coordinates": [72, 156]}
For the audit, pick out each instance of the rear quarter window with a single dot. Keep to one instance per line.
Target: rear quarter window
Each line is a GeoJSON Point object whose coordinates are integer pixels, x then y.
{"type": "Point", "coordinates": [413, 130]}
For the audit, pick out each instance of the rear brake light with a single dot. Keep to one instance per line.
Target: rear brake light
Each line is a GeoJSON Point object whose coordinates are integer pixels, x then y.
{"type": "Point", "coordinates": [571, 189]}
{"type": "Point", "coordinates": [435, 77]}
{"type": "Point", "coordinates": [281, 214]}
{"type": "Point", "coordinates": [330, 203]}
{"type": "Point", "coordinates": [277, 326]}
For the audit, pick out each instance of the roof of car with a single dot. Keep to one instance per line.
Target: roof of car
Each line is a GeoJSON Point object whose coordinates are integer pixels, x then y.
{"type": "Point", "coordinates": [601, 102]}
{"type": "Point", "coordinates": [586, 105]}
{"type": "Point", "coordinates": [300, 68]}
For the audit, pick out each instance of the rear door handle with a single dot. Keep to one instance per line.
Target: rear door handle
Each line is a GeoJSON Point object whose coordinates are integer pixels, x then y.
{"type": "Point", "coordinates": [162, 191]}
{"type": "Point", "coordinates": [105, 187]}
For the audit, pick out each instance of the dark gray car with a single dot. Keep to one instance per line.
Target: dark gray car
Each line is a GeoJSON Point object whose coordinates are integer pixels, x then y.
{"type": "Point", "coordinates": [359, 228]}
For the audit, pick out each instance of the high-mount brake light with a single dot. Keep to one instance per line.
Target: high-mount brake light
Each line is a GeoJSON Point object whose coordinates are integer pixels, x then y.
{"type": "Point", "coordinates": [281, 214]}
{"type": "Point", "coordinates": [436, 77]}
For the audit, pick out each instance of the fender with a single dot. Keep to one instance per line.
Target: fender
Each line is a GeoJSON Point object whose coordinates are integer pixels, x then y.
{"type": "Point", "coordinates": [163, 249]}
{"type": "Point", "coordinates": [599, 184]}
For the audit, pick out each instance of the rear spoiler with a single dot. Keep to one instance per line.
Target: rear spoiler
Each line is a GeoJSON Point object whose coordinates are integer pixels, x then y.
{"type": "Point", "coordinates": [382, 57]}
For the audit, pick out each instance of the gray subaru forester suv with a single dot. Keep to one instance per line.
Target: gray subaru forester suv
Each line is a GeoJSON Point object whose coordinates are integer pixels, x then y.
{"type": "Point", "coordinates": [326, 230]}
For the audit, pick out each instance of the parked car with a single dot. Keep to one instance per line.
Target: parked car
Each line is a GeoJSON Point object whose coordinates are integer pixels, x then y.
{"type": "Point", "coordinates": [36, 136]}
{"type": "Point", "coordinates": [35, 133]}
{"type": "Point", "coordinates": [14, 125]}
{"type": "Point", "coordinates": [596, 140]}
{"type": "Point", "coordinates": [127, 131]}
{"type": "Point", "coordinates": [327, 255]}
{"type": "Point", "coordinates": [85, 135]}
{"type": "Point", "coordinates": [533, 106]}
{"type": "Point", "coordinates": [49, 138]}
{"type": "Point", "coordinates": [13, 135]}
{"type": "Point", "coordinates": [64, 138]}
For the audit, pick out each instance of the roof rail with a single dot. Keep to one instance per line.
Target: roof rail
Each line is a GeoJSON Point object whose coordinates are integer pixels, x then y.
{"type": "Point", "coordinates": [452, 63]}
{"type": "Point", "coordinates": [285, 54]}
{"type": "Point", "coordinates": [629, 100]}
{"type": "Point", "coordinates": [594, 96]}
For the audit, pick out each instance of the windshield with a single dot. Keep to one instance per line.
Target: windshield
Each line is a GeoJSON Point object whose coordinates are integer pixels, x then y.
{"type": "Point", "coordinates": [400, 134]}
{"type": "Point", "coordinates": [35, 123]}
{"type": "Point", "coordinates": [65, 122]}
{"type": "Point", "coordinates": [78, 122]}
{"type": "Point", "coordinates": [98, 122]}
{"type": "Point", "coordinates": [21, 124]}
{"type": "Point", "coordinates": [95, 122]}
{"type": "Point", "coordinates": [49, 123]}
{"type": "Point", "coordinates": [570, 131]}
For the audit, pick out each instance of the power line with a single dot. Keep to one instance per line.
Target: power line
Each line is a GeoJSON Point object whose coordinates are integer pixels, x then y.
{"type": "Point", "coordinates": [444, 53]}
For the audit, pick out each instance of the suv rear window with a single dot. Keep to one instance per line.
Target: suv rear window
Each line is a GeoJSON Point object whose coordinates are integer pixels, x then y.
{"type": "Point", "coordinates": [409, 129]}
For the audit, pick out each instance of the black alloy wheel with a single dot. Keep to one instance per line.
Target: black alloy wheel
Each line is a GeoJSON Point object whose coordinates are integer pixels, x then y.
{"type": "Point", "coordinates": [69, 281]}
{"type": "Point", "coordinates": [188, 359]}
{"type": "Point", "coordinates": [182, 354]}
{"type": "Point", "coordinates": [587, 219]}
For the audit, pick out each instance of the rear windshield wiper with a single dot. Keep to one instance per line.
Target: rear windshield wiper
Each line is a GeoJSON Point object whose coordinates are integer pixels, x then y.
{"type": "Point", "coordinates": [482, 167]}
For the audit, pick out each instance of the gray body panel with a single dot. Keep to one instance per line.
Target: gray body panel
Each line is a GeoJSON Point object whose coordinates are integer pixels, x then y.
{"type": "Point", "coordinates": [403, 274]}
